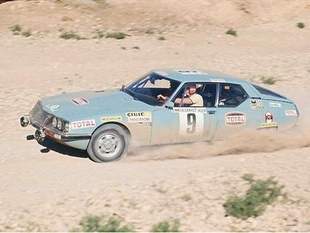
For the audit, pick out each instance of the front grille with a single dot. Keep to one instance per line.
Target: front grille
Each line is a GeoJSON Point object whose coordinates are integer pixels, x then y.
{"type": "Point", "coordinates": [38, 116]}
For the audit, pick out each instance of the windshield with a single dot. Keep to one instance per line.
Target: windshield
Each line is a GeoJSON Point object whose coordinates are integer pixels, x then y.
{"type": "Point", "coordinates": [150, 87]}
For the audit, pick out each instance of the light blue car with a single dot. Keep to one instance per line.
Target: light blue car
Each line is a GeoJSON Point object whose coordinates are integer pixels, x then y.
{"type": "Point", "coordinates": [163, 107]}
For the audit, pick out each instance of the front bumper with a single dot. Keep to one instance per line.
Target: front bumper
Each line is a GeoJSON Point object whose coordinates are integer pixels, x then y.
{"type": "Point", "coordinates": [42, 132]}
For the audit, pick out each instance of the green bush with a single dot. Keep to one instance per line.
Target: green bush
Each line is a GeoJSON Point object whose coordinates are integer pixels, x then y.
{"type": "Point", "coordinates": [71, 35]}
{"type": "Point", "coordinates": [26, 33]}
{"type": "Point", "coordinates": [116, 35]}
{"type": "Point", "coordinates": [99, 34]}
{"type": "Point", "coordinates": [301, 25]}
{"type": "Point", "coordinates": [268, 80]}
{"type": "Point", "coordinates": [167, 226]}
{"type": "Point", "coordinates": [231, 32]}
{"type": "Point", "coordinates": [16, 28]}
{"type": "Point", "coordinates": [260, 194]}
{"type": "Point", "coordinates": [94, 223]}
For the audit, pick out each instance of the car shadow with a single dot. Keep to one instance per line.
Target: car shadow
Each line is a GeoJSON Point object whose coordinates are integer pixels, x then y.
{"type": "Point", "coordinates": [50, 145]}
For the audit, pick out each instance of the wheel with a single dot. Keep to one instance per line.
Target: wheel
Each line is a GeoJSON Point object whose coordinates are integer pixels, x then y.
{"type": "Point", "coordinates": [108, 143]}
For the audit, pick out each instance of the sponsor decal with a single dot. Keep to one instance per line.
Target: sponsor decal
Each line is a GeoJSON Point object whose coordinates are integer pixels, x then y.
{"type": "Point", "coordinates": [235, 118]}
{"type": "Point", "coordinates": [275, 105]}
{"type": "Point", "coordinates": [139, 117]}
{"type": "Point", "coordinates": [82, 124]}
{"type": "Point", "coordinates": [52, 134]}
{"type": "Point", "coordinates": [218, 80]}
{"type": "Point", "coordinates": [190, 72]}
{"type": "Point", "coordinates": [291, 112]}
{"type": "Point", "coordinates": [54, 108]}
{"type": "Point", "coordinates": [111, 118]}
{"type": "Point", "coordinates": [182, 109]}
{"type": "Point", "coordinates": [256, 104]}
{"type": "Point", "coordinates": [191, 123]}
{"type": "Point", "coordinates": [80, 101]}
{"type": "Point", "coordinates": [269, 122]}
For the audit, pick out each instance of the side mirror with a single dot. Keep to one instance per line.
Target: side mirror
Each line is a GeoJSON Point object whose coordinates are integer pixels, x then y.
{"type": "Point", "coordinates": [169, 105]}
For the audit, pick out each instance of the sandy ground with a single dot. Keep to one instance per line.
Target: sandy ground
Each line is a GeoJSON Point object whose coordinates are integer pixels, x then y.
{"type": "Point", "coordinates": [52, 190]}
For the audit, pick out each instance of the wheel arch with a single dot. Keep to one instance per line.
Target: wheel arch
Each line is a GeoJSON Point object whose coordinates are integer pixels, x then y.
{"type": "Point", "coordinates": [114, 123]}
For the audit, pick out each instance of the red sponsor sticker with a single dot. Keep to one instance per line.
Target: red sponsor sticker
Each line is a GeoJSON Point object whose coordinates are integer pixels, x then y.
{"type": "Point", "coordinates": [80, 101]}
{"type": "Point", "coordinates": [235, 118]}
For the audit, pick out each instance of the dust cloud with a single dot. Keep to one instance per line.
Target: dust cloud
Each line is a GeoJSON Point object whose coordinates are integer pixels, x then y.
{"type": "Point", "coordinates": [255, 141]}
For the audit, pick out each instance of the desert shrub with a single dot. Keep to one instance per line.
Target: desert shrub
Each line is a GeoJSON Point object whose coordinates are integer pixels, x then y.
{"type": "Point", "coordinates": [99, 34]}
{"type": "Point", "coordinates": [161, 38]}
{"type": "Point", "coordinates": [260, 194]}
{"type": "Point", "coordinates": [232, 32]}
{"type": "Point", "coordinates": [71, 35]}
{"type": "Point", "coordinates": [16, 29]}
{"type": "Point", "coordinates": [116, 35]}
{"type": "Point", "coordinates": [26, 33]}
{"type": "Point", "coordinates": [301, 25]}
{"type": "Point", "coordinates": [94, 223]}
{"type": "Point", "coordinates": [268, 80]}
{"type": "Point", "coordinates": [167, 226]}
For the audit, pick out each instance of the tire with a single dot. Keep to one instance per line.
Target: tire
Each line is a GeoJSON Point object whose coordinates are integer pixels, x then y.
{"type": "Point", "coordinates": [108, 143]}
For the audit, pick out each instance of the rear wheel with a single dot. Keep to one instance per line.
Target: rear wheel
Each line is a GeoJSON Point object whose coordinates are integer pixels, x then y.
{"type": "Point", "coordinates": [108, 143]}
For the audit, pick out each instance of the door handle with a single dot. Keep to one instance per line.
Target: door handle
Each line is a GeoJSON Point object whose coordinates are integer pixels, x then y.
{"type": "Point", "coordinates": [211, 112]}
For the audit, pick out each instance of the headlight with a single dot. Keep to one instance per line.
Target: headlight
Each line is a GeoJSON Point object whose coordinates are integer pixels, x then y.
{"type": "Point", "coordinates": [54, 122]}
{"type": "Point", "coordinates": [60, 124]}
{"type": "Point", "coordinates": [66, 129]}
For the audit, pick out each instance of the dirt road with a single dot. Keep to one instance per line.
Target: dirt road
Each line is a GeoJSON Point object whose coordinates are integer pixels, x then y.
{"type": "Point", "coordinates": [52, 189]}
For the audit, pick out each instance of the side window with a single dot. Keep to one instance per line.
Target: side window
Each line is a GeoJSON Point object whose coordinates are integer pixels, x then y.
{"type": "Point", "coordinates": [204, 95]}
{"type": "Point", "coordinates": [209, 95]}
{"type": "Point", "coordinates": [231, 95]}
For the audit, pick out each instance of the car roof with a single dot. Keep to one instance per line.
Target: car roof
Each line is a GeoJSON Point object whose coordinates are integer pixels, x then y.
{"type": "Point", "coordinates": [188, 75]}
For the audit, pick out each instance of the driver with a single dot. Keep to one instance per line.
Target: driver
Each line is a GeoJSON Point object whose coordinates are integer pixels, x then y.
{"type": "Point", "coordinates": [191, 97]}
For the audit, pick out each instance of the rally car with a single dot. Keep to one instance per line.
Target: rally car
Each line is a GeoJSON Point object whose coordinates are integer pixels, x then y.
{"type": "Point", "coordinates": [158, 109]}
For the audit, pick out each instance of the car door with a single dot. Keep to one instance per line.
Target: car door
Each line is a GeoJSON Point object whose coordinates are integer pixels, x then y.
{"type": "Point", "coordinates": [172, 124]}
{"type": "Point", "coordinates": [235, 109]}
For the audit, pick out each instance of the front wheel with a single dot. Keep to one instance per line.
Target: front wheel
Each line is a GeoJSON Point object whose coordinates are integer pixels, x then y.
{"type": "Point", "coordinates": [108, 143]}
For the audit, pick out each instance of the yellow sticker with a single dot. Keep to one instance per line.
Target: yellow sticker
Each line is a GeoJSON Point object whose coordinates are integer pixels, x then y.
{"type": "Point", "coordinates": [268, 125]}
{"type": "Point", "coordinates": [111, 118]}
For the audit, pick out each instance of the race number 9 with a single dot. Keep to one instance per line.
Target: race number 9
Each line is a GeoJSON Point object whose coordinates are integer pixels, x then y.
{"type": "Point", "coordinates": [191, 123]}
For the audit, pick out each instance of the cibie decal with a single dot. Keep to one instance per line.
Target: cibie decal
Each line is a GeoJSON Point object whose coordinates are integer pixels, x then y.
{"type": "Point", "coordinates": [137, 117]}
{"type": "Point", "coordinates": [235, 118]}
{"type": "Point", "coordinates": [291, 112]}
{"type": "Point", "coordinates": [111, 118]}
{"type": "Point", "coordinates": [269, 121]}
{"type": "Point", "coordinates": [275, 105]}
{"type": "Point", "coordinates": [80, 101]}
{"type": "Point", "coordinates": [82, 124]}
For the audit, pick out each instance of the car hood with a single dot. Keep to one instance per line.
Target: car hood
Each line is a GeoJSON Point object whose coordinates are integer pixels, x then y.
{"type": "Point", "coordinates": [71, 106]}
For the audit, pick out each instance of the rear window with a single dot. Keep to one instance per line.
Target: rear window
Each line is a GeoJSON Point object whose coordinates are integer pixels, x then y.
{"type": "Point", "coordinates": [265, 91]}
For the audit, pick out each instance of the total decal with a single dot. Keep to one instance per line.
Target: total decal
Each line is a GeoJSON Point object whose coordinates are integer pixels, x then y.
{"type": "Point", "coordinates": [269, 122]}
{"type": "Point", "coordinates": [235, 118]}
{"type": "Point", "coordinates": [139, 117]}
{"type": "Point", "coordinates": [80, 101]}
{"type": "Point", "coordinates": [83, 124]}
